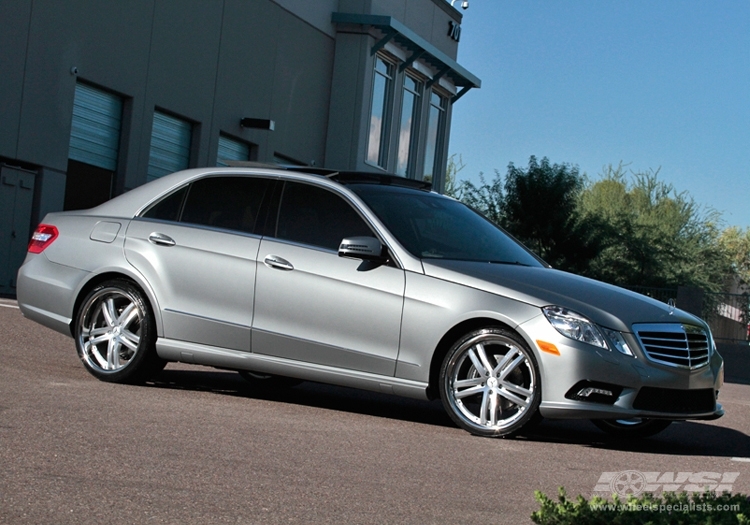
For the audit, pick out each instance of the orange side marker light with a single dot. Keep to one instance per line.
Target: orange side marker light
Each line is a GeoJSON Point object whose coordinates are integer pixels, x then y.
{"type": "Point", "coordinates": [547, 347]}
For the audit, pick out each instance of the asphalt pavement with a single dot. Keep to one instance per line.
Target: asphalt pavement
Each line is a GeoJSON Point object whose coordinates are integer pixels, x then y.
{"type": "Point", "coordinates": [201, 446]}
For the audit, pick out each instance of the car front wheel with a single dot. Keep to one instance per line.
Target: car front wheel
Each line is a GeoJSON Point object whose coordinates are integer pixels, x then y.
{"type": "Point", "coordinates": [490, 383]}
{"type": "Point", "coordinates": [115, 334]}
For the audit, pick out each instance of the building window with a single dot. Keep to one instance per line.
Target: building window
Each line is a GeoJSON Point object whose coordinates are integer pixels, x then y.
{"type": "Point", "coordinates": [435, 134]}
{"type": "Point", "coordinates": [170, 145]}
{"type": "Point", "coordinates": [408, 128]}
{"type": "Point", "coordinates": [231, 149]}
{"type": "Point", "coordinates": [377, 142]}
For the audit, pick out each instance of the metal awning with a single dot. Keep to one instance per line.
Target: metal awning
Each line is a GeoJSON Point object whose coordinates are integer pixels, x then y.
{"type": "Point", "coordinates": [393, 30]}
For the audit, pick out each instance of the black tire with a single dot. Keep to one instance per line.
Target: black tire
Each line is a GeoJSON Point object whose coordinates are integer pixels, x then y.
{"type": "Point", "coordinates": [262, 380]}
{"type": "Point", "coordinates": [631, 428]}
{"type": "Point", "coordinates": [115, 334]}
{"type": "Point", "coordinates": [491, 403]}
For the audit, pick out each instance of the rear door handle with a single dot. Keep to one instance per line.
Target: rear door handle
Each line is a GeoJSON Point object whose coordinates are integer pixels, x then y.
{"type": "Point", "coordinates": [279, 263]}
{"type": "Point", "coordinates": [161, 239]}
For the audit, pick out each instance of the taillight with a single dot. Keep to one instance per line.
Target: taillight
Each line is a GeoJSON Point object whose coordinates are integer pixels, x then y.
{"type": "Point", "coordinates": [43, 236]}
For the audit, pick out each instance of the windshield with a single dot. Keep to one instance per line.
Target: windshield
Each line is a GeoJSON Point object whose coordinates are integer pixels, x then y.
{"type": "Point", "coordinates": [432, 226]}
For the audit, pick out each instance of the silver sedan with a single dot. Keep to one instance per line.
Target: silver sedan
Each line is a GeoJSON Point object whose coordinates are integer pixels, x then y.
{"type": "Point", "coordinates": [365, 281]}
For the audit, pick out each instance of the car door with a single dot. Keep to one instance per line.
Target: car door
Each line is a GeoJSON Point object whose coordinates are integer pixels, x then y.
{"type": "Point", "coordinates": [312, 305]}
{"type": "Point", "coordinates": [197, 248]}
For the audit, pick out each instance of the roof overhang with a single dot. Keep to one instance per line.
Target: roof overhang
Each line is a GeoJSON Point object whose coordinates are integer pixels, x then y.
{"type": "Point", "coordinates": [393, 30]}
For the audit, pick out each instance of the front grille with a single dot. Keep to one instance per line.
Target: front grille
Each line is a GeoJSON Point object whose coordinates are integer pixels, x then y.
{"type": "Point", "coordinates": [678, 345]}
{"type": "Point", "coordinates": [676, 401]}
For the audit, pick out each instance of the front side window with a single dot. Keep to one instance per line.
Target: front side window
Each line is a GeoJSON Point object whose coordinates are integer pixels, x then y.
{"type": "Point", "coordinates": [377, 149]}
{"type": "Point", "coordinates": [318, 217]}
{"type": "Point", "coordinates": [435, 133]}
{"type": "Point", "coordinates": [408, 128]}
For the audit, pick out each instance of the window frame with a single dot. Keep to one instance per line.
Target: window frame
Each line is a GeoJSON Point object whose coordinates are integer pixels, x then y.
{"type": "Point", "coordinates": [425, 155]}
{"type": "Point", "coordinates": [386, 98]}
{"type": "Point", "coordinates": [437, 155]}
{"type": "Point", "coordinates": [412, 148]}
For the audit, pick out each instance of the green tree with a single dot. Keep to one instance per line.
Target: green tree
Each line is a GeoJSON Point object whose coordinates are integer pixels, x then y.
{"type": "Point", "coordinates": [486, 197]}
{"type": "Point", "coordinates": [736, 245]}
{"type": "Point", "coordinates": [452, 185]}
{"type": "Point", "coordinates": [652, 235]}
{"type": "Point", "coordinates": [624, 228]}
{"type": "Point", "coordinates": [541, 208]}
{"type": "Point", "coordinates": [539, 205]}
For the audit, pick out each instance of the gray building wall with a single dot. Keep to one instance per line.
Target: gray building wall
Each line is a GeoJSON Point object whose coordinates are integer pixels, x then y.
{"type": "Point", "coordinates": [211, 63]}
{"type": "Point", "coordinates": [208, 62]}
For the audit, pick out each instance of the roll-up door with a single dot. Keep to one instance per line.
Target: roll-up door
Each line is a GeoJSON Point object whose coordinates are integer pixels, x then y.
{"type": "Point", "coordinates": [95, 133]}
{"type": "Point", "coordinates": [230, 149]}
{"type": "Point", "coordinates": [94, 147]}
{"type": "Point", "coordinates": [170, 145]}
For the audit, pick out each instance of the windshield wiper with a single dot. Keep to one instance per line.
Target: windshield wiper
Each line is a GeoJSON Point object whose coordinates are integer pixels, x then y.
{"type": "Point", "coordinates": [514, 263]}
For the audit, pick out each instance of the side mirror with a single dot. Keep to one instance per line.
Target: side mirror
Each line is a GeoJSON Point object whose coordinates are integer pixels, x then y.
{"type": "Point", "coordinates": [364, 248]}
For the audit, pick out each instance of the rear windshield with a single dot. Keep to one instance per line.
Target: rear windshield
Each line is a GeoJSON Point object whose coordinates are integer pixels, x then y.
{"type": "Point", "coordinates": [432, 226]}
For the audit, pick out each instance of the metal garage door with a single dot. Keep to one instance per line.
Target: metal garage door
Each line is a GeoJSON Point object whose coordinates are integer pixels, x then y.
{"type": "Point", "coordinates": [170, 145]}
{"type": "Point", "coordinates": [16, 196]}
{"type": "Point", "coordinates": [95, 134]}
{"type": "Point", "coordinates": [230, 149]}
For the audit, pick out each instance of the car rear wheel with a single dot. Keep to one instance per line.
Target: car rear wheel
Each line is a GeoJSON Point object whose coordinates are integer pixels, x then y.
{"type": "Point", "coordinates": [490, 383]}
{"type": "Point", "coordinates": [269, 380]}
{"type": "Point", "coordinates": [635, 427]}
{"type": "Point", "coordinates": [115, 334]}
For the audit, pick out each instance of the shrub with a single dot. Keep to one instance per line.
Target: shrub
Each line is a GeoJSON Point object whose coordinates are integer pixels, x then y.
{"type": "Point", "coordinates": [670, 508]}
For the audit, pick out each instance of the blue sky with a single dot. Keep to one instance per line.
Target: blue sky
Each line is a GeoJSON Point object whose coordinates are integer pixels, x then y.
{"type": "Point", "coordinates": [654, 84]}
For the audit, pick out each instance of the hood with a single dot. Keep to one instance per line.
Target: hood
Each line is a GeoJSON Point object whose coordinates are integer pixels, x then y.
{"type": "Point", "coordinates": [606, 305]}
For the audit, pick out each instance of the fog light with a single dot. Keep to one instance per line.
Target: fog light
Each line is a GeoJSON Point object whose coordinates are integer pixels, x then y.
{"type": "Point", "coordinates": [586, 392]}
{"type": "Point", "coordinates": [595, 392]}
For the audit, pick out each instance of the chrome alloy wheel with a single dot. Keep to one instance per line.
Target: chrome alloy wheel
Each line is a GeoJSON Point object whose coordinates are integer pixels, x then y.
{"type": "Point", "coordinates": [109, 333]}
{"type": "Point", "coordinates": [490, 382]}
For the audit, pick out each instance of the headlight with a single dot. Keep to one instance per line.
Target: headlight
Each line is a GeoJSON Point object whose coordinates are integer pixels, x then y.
{"type": "Point", "coordinates": [617, 341]}
{"type": "Point", "coordinates": [577, 327]}
{"type": "Point", "coordinates": [574, 326]}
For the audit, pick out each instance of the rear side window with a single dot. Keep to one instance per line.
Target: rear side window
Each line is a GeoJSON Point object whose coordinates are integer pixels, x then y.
{"type": "Point", "coordinates": [167, 209]}
{"type": "Point", "coordinates": [318, 217]}
{"type": "Point", "coordinates": [230, 203]}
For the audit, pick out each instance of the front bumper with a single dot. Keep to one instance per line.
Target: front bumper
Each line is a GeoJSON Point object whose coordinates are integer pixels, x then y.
{"type": "Point", "coordinates": [639, 388]}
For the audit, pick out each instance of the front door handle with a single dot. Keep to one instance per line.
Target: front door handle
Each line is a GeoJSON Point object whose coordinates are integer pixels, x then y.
{"type": "Point", "coordinates": [161, 239]}
{"type": "Point", "coordinates": [279, 263]}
